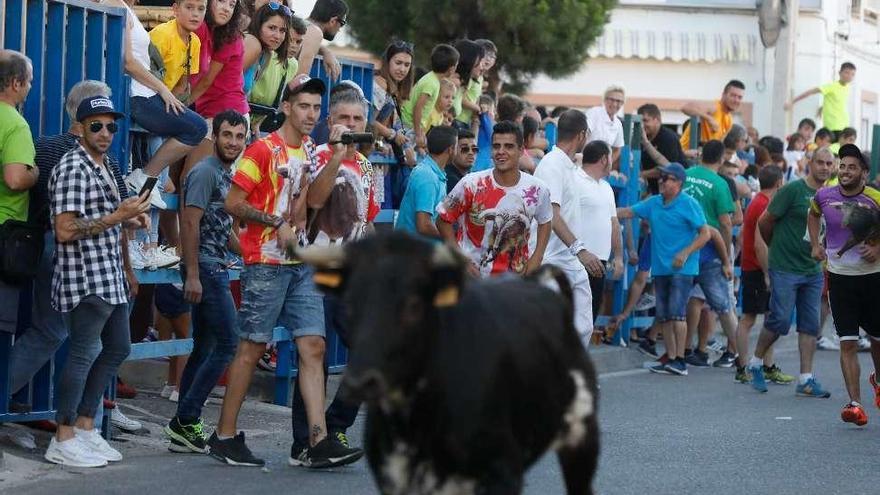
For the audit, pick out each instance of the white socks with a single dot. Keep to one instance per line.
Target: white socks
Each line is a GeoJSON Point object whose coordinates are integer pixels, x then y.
{"type": "Point", "coordinates": [804, 377]}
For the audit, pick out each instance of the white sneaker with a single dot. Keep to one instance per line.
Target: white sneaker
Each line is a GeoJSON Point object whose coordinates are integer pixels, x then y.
{"type": "Point", "coordinates": [162, 257]}
{"type": "Point", "coordinates": [135, 181]}
{"type": "Point", "coordinates": [123, 422]}
{"type": "Point", "coordinates": [864, 344]}
{"type": "Point", "coordinates": [826, 344]}
{"type": "Point", "coordinates": [73, 453]}
{"type": "Point", "coordinates": [99, 446]}
{"type": "Point", "coordinates": [167, 390]}
{"type": "Point", "coordinates": [175, 396]}
{"type": "Point", "coordinates": [136, 255]}
{"type": "Point", "coordinates": [646, 302]}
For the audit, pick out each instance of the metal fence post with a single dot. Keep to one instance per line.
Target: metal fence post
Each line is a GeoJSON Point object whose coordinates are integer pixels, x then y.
{"type": "Point", "coordinates": [875, 153]}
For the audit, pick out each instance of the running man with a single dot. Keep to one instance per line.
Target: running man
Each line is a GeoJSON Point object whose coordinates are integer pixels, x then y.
{"type": "Point", "coordinates": [853, 270]}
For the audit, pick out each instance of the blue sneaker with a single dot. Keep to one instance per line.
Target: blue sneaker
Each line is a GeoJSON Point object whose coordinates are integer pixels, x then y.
{"type": "Point", "coordinates": [660, 368]}
{"type": "Point", "coordinates": [758, 381]}
{"type": "Point", "coordinates": [677, 367]}
{"type": "Point", "coordinates": [812, 389]}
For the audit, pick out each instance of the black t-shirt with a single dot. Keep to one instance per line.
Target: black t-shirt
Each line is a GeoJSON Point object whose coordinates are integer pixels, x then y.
{"type": "Point", "coordinates": [666, 142]}
{"type": "Point", "coordinates": [453, 175]}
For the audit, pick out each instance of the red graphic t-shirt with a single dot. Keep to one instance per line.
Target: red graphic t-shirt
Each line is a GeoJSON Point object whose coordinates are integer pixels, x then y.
{"type": "Point", "coordinates": [750, 225]}
{"type": "Point", "coordinates": [352, 203]}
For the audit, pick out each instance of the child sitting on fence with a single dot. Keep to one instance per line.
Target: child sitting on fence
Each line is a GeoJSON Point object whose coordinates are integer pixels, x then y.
{"type": "Point", "coordinates": [416, 112]}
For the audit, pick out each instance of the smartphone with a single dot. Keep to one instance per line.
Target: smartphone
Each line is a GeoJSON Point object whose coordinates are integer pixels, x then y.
{"type": "Point", "coordinates": [148, 185]}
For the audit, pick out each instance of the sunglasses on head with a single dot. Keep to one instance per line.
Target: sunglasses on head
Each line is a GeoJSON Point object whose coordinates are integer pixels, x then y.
{"type": "Point", "coordinates": [472, 149]}
{"type": "Point", "coordinates": [284, 8]}
{"type": "Point", "coordinates": [95, 127]}
{"type": "Point", "coordinates": [402, 45]}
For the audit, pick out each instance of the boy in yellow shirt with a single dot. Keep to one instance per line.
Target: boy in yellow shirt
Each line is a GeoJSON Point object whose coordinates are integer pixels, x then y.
{"type": "Point", "coordinates": [179, 46]}
{"type": "Point", "coordinates": [835, 99]}
{"type": "Point", "coordinates": [416, 112]}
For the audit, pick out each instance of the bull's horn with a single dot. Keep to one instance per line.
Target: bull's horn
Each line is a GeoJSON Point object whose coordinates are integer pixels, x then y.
{"type": "Point", "coordinates": [322, 256]}
{"type": "Point", "coordinates": [445, 256]}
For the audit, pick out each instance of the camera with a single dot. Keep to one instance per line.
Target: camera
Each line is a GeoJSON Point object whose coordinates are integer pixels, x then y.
{"type": "Point", "coordinates": [356, 138]}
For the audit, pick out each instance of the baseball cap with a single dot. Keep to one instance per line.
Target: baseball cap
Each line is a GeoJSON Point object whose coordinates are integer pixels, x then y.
{"type": "Point", "coordinates": [96, 105]}
{"type": "Point", "coordinates": [853, 151]}
{"type": "Point", "coordinates": [302, 83]}
{"type": "Point", "coordinates": [675, 170]}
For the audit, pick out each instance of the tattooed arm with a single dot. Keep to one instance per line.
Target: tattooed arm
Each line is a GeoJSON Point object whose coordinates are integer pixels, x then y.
{"type": "Point", "coordinates": [69, 226]}
{"type": "Point", "coordinates": [236, 204]}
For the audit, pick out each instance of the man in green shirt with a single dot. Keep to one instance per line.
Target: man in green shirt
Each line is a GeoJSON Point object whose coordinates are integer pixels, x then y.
{"type": "Point", "coordinates": [16, 161]}
{"type": "Point", "coordinates": [795, 277]}
{"type": "Point", "coordinates": [835, 98]}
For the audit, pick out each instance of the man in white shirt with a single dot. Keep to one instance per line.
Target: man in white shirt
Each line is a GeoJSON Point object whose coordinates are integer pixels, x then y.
{"type": "Point", "coordinates": [603, 123]}
{"type": "Point", "coordinates": [584, 217]}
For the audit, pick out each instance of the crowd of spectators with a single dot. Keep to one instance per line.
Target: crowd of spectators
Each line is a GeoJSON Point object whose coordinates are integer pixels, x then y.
{"type": "Point", "coordinates": [235, 130]}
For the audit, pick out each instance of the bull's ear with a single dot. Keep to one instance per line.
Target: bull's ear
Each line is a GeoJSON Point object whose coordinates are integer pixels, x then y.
{"type": "Point", "coordinates": [448, 266]}
{"type": "Point", "coordinates": [329, 264]}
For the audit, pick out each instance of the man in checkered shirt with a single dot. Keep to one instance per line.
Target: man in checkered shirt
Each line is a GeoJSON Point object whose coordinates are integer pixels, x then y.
{"type": "Point", "coordinates": [89, 286]}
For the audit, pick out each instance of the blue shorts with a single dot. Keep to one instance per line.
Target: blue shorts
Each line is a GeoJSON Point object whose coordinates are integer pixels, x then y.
{"type": "Point", "coordinates": [671, 293]}
{"type": "Point", "coordinates": [792, 292]}
{"type": "Point", "coordinates": [170, 302]}
{"type": "Point", "coordinates": [716, 290]}
{"type": "Point", "coordinates": [645, 255]}
{"type": "Point", "coordinates": [279, 295]}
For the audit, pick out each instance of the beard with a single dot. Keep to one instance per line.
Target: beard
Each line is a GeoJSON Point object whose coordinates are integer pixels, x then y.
{"type": "Point", "coordinates": [329, 36]}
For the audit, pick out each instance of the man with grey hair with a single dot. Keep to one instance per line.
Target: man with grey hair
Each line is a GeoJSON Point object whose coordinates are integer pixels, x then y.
{"type": "Point", "coordinates": [603, 123]}
{"type": "Point", "coordinates": [47, 331]}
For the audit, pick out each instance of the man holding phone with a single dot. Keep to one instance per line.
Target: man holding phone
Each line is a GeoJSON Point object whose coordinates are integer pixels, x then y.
{"type": "Point", "coordinates": [89, 284]}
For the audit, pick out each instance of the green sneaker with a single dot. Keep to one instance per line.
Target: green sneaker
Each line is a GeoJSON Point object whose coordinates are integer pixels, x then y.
{"type": "Point", "coordinates": [742, 375]}
{"type": "Point", "coordinates": [342, 438]}
{"type": "Point", "coordinates": [775, 375]}
{"type": "Point", "coordinates": [187, 438]}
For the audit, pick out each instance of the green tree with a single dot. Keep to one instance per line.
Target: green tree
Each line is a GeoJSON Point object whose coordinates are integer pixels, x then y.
{"type": "Point", "coordinates": [533, 36]}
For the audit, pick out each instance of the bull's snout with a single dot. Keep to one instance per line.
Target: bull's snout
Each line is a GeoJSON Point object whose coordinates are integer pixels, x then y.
{"type": "Point", "coordinates": [368, 386]}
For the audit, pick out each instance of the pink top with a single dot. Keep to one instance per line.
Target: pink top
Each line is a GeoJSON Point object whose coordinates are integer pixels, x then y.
{"type": "Point", "coordinates": [227, 90]}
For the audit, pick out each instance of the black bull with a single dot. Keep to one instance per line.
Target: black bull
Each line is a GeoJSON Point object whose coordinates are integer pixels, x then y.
{"type": "Point", "coordinates": [468, 383]}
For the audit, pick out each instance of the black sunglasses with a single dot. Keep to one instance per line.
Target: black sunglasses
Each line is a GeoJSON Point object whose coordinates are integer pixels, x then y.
{"type": "Point", "coordinates": [472, 149]}
{"type": "Point", "coordinates": [402, 45]}
{"type": "Point", "coordinates": [342, 22]}
{"type": "Point", "coordinates": [284, 8]}
{"type": "Point", "coordinates": [96, 127]}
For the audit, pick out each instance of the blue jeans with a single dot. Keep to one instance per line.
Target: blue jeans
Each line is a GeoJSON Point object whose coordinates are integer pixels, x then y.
{"type": "Point", "coordinates": [214, 340]}
{"type": "Point", "coordinates": [341, 414]}
{"type": "Point", "coordinates": [801, 293]}
{"type": "Point", "coordinates": [279, 295]}
{"type": "Point", "coordinates": [671, 293]}
{"type": "Point", "coordinates": [100, 341]}
{"type": "Point", "coordinates": [711, 279]}
{"type": "Point", "coordinates": [47, 332]}
{"type": "Point", "coordinates": [187, 127]}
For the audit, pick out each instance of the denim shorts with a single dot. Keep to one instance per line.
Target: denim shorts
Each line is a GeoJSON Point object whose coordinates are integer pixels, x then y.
{"type": "Point", "coordinates": [671, 293]}
{"type": "Point", "coordinates": [712, 287]}
{"type": "Point", "coordinates": [187, 127]}
{"type": "Point", "coordinates": [279, 295]}
{"type": "Point", "coordinates": [793, 292]}
{"type": "Point", "coordinates": [169, 301]}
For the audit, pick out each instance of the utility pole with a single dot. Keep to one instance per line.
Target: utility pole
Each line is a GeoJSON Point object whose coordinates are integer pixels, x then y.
{"type": "Point", "coordinates": [783, 70]}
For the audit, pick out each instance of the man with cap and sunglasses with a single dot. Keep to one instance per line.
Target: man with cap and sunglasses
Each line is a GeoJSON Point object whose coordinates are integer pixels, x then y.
{"type": "Point", "coordinates": [679, 230]}
{"type": "Point", "coordinates": [89, 285]}
{"type": "Point", "coordinates": [268, 195]}
{"type": "Point", "coordinates": [851, 208]}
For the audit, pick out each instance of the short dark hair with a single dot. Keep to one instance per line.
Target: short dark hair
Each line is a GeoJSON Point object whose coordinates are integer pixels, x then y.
{"type": "Point", "coordinates": [510, 107]}
{"type": "Point", "coordinates": [298, 25]}
{"type": "Point", "coordinates": [325, 10]}
{"type": "Point", "coordinates": [230, 117]}
{"type": "Point", "coordinates": [488, 46]}
{"type": "Point", "coordinates": [649, 109]}
{"type": "Point", "coordinates": [13, 67]}
{"type": "Point", "coordinates": [508, 127]}
{"type": "Point", "coordinates": [530, 127]}
{"type": "Point", "coordinates": [595, 150]}
{"type": "Point", "coordinates": [847, 65]}
{"type": "Point", "coordinates": [848, 132]}
{"type": "Point", "coordinates": [441, 138]}
{"type": "Point", "coordinates": [823, 133]}
{"type": "Point", "coordinates": [571, 123]}
{"type": "Point", "coordinates": [734, 83]}
{"type": "Point", "coordinates": [713, 151]}
{"type": "Point", "coordinates": [558, 111]}
{"type": "Point", "coordinates": [769, 176]}
{"type": "Point", "coordinates": [443, 58]}
{"type": "Point", "coordinates": [465, 134]}
{"type": "Point", "coordinates": [807, 122]}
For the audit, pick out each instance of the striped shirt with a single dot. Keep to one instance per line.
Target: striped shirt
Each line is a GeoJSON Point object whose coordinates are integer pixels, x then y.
{"type": "Point", "coordinates": [91, 266]}
{"type": "Point", "coordinates": [50, 149]}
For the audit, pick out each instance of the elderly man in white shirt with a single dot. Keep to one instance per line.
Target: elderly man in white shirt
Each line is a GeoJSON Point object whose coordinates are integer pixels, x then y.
{"type": "Point", "coordinates": [584, 215]}
{"type": "Point", "coordinates": [603, 123]}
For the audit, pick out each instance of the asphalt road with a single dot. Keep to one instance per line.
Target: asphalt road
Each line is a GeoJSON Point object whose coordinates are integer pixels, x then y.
{"type": "Point", "coordinates": [661, 435]}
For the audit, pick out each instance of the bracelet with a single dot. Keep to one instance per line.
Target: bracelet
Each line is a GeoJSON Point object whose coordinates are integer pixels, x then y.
{"type": "Point", "coordinates": [278, 223]}
{"type": "Point", "coordinates": [576, 247]}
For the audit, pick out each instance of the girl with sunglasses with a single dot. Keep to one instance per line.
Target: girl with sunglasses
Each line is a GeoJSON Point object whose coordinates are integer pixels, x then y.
{"type": "Point", "coordinates": [266, 40]}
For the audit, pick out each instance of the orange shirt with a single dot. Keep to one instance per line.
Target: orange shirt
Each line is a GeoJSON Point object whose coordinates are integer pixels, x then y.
{"type": "Point", "coordinates": [725, 122]}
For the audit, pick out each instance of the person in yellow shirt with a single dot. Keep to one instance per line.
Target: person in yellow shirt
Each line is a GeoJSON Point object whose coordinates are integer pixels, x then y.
{"type": "Point", "coordinates": [179, 46]}
{"type": "Point", "coordinates": [715, 122]}
{"type": "Point", "coordinates": [835, 98]}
